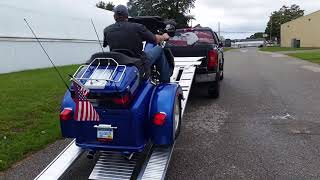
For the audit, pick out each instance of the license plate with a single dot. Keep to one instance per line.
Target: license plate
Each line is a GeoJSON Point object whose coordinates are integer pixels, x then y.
{"type": "Point", "coordinates": [105, 134]}
{"type": "Point", "coordinates": [205, 77]}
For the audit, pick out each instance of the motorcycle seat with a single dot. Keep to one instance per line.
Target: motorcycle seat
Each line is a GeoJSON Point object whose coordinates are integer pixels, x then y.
{"type": "Point", "coordinates": [123, 59]}
{"type": "Point", "coordinates": [120, 58]}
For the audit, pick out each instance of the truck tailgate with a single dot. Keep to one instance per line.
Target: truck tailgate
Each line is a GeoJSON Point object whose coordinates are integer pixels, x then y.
{"type": "Point", "coordinates": [187, 51]}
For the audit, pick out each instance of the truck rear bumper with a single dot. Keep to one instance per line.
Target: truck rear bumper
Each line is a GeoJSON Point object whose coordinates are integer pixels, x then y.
{"type": "Point", "coordinates": [205, 77]}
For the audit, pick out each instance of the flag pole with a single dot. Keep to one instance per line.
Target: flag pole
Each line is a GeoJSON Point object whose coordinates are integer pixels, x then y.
{"type": "Point", "coordinates": [79, 83]}
{"type": "Point", "coordinates": [34, 34]}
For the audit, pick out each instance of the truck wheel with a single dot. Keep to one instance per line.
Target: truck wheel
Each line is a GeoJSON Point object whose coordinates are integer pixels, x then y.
{"type": "Point", "coordinates": [221, 70]}
{"type": "Point", "coordinates": [177, 117]}
{"type": "Point", "coordinates": [221, 76]}
{"type": "Point", "coordinates": [214, 88]}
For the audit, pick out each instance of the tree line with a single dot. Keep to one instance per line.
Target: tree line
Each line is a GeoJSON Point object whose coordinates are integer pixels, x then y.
{"type": "Point", "coordinates": [276, 19]}
{"type": "Point", "coordinates": [107, 6]}
{"type": "Point", "coordinates": [178, 10]}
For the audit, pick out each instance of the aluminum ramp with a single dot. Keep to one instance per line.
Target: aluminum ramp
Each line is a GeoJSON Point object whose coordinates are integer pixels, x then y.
{"type": "Point", "coordinates": [114, 166]}
{"type": "Point", "coordinates": [183, 74]}
{"type": "Point", "coordinates": [61, 163]}
{"type": "Point", "coordinates": [156, 166]}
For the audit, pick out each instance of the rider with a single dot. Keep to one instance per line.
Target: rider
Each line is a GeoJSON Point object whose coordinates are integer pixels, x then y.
{"type": "Point", "coordinates": [128, 35]}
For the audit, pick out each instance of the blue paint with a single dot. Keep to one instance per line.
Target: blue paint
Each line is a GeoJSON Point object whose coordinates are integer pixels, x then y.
{"type": "Point", "coordinates": [134, 122]}
{"type": "Point", "coordinates": [162, 100]}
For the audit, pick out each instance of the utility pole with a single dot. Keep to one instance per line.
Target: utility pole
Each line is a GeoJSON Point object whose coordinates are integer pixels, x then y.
{"type": "Point", "coordinates": [219, 29]}
{"type": "Point", "coordinates": [270, 28]}
{"type": "Point", "coordinates": [190, 17]}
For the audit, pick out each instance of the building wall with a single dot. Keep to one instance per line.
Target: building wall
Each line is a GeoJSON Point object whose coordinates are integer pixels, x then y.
{"type": "Point", "coordinates": [65, 31]}
{"type": "Point", "coordinates": [22, 54]}
{"type": "Point", "coordinates": [306, 29]}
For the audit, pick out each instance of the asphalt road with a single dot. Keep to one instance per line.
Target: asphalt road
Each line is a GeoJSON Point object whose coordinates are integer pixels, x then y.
{"type": "Point", "coordinates": [265, 125]}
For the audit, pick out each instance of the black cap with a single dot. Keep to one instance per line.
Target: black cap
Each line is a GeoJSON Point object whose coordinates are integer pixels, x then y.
{"type": "Point", "coordinates": [121, 10]}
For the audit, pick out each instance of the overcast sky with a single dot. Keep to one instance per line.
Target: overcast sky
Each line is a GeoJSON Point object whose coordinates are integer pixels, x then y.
{"type": "Point", "coordinates": [235, 16]}
{"type": "Point", "coordinates": [240, 15]}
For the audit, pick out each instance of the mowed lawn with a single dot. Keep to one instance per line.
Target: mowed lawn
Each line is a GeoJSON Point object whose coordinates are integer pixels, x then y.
{"type": "Point", "coordinates": [278, 49]}
{"type": "Point", "coordinates": [309, 56]}
{"type": "Point", "coordinates": [225, 49]}
{"type": "Point", "coordinates": [29, 113]}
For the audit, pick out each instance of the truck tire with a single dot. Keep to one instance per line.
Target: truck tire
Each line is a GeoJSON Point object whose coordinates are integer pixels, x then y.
{"type": "Point", "coordinates": [214, 88]}
{"type": "Point", "coordinates": [177, 117]}
{"type": "Point", "coordinates": [221, 76]}
{"type": "Point", "coordinates": [221, 70]}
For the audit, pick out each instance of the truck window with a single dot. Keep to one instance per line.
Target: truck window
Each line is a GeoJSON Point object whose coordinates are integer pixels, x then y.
{"type": "Point", "coordinates": [192, 38]}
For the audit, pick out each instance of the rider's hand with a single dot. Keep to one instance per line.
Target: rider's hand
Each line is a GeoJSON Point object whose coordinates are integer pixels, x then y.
{"type": "Point", "coordinates": [166, 36]}
{"type": "Point", "coordinates": [163, 37]}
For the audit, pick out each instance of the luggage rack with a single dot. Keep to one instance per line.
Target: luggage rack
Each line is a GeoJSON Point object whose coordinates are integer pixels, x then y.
{"type": "Point", "coordinates": [102, 71]}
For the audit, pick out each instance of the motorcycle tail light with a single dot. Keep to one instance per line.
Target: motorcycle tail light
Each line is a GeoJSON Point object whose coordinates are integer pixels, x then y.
{"type": "Point", "coordinates": [159, 119]}
{"type": "Point", "coordinates": [66, 114]}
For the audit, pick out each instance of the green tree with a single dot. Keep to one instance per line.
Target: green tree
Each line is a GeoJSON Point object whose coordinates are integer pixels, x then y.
{"type": "Point", "coordinates": [277, 18]}
{"type": "Point", "coordinates": [107, 6]}
{"type": "Point", "coordinates": [168, 9]}
{"type": "Point", "coordinates": [256, 35]}
{"type": "Point", "coordinates": [101, 4]}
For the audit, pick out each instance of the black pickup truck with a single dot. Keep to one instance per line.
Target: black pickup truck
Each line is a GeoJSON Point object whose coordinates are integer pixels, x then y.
{"type": "Point", "coordinates": [205, 44]}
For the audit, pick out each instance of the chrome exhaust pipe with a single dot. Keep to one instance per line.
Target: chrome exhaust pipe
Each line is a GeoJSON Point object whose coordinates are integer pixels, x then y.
{"type": "Point", "coordinates": [91, 154]}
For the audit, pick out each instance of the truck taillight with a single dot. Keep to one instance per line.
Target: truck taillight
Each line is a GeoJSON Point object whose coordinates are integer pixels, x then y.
{"type": "Point", "coordinates": [66, 114]}
{"type": "Point", "coordinates": [122, 100]}
{"type": "Point", "coordinates": [212, 59]}
{"type": "Point", "coordinates": [159, 118]}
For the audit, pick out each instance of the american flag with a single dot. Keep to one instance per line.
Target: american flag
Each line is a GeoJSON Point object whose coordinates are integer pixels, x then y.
{"type": "Point", "coordinates": [84, 109]}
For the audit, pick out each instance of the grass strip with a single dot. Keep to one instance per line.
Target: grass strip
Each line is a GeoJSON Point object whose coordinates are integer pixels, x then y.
{"type": "Point", "coordinates": [225, 49]}
{"type": "Point", "coordinates": [278, 49]}
{"type": "Point", "coordinates": [30, 102]}
{"type": "Point", "coordinates": [308, 56]}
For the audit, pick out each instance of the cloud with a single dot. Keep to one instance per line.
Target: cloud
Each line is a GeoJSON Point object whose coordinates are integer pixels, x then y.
{"type": "Point", "coordinates": [234, 15]}
{"type": "Point", "coordinates": [52, 19]}
{"type": "Point", "coordinates": [242, 16]}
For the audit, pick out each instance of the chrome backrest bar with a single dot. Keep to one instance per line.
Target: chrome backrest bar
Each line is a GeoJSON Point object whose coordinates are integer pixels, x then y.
{"type": "Point", "coordinates": [105, 70]}
{"type": "Point", "coordinates": [111, 77]}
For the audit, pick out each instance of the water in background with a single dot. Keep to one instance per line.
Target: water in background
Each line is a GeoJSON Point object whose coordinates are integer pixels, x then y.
{"type": "Point", "coordinates": [17, 55]}
{"type": "Point", "coordinates": [59, 20]}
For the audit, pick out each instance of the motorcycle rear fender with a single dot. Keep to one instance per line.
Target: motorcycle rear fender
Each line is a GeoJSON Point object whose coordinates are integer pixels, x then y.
{"type": "Point", "coordinates": [162, 100]}
{"type": "Point", "coordinates": [68, 126]}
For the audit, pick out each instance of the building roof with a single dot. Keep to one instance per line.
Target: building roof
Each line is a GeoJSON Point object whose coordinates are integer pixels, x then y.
{"type": "Point", "coordinates": [311, 14]}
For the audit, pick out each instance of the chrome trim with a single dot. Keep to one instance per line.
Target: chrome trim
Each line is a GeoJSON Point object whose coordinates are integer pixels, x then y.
{"type": "Point", "coordinates": [110, 78]}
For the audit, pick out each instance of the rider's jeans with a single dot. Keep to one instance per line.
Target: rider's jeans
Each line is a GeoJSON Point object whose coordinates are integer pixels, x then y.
{"type": "Point", "coordinates": [157, 57]}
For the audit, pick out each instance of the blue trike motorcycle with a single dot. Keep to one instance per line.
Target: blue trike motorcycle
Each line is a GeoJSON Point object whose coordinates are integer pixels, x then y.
{"type": "Point", "coordinates": [135, 109]}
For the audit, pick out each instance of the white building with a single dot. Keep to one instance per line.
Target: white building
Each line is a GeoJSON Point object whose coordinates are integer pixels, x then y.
{"type": "Point", "coordinates": [249, 43]}
{"type": "Point", "coordinates": [64, 27]}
